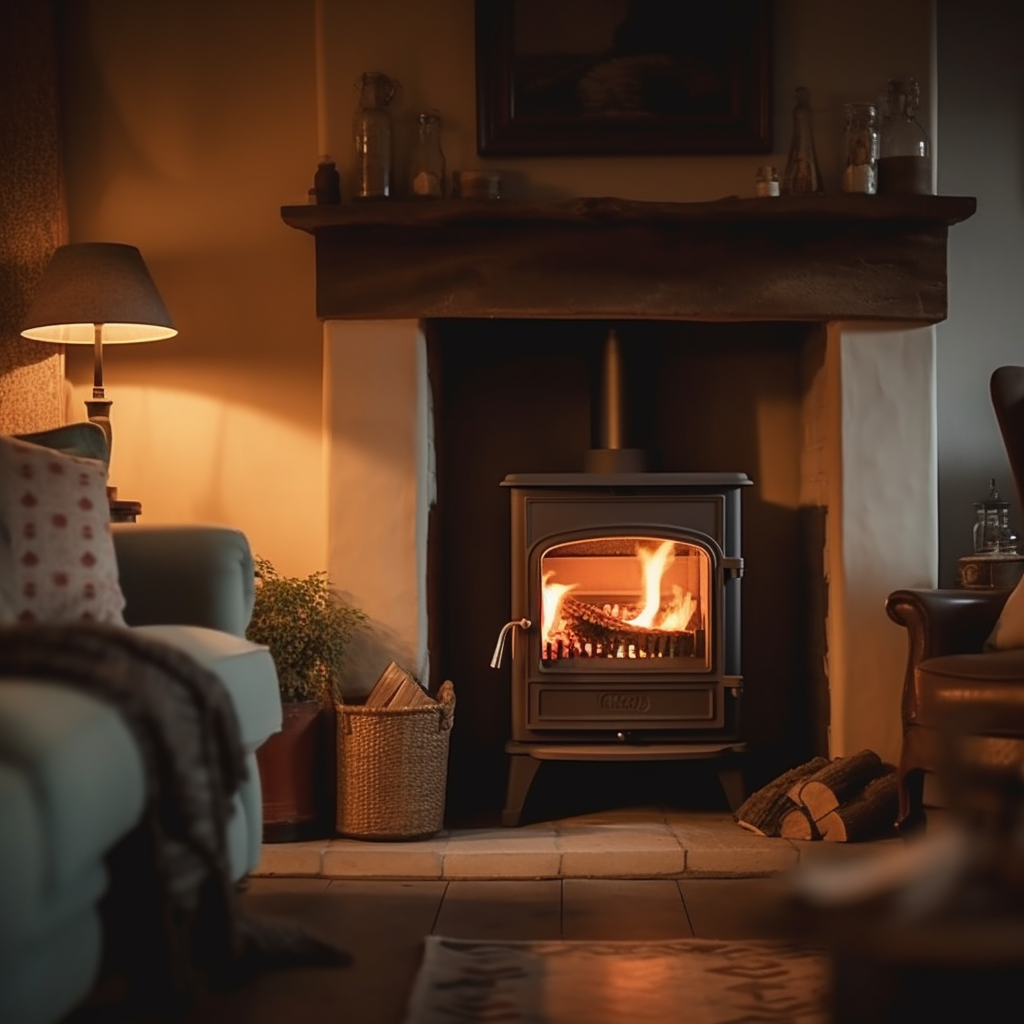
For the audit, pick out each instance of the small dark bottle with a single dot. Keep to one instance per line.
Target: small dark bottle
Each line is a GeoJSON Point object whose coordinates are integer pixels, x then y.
{"type": "Point", "coordinates": [327, 182]}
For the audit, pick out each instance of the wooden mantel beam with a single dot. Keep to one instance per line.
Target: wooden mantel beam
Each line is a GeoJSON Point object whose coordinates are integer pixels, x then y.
{"type": "Point", "coordinates": [795, 258]}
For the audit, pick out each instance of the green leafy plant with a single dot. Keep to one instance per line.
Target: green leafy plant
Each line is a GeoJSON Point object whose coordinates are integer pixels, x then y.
{"type": "Point", "coordinates": [307, 630]}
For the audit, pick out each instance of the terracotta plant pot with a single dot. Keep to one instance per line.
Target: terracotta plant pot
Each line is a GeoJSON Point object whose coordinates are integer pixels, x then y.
{"type": "Point", "coordinates": [295, 769]}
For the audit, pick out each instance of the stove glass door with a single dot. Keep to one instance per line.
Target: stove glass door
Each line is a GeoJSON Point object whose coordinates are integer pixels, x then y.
{"type": "Point", "coordinates": [641, 598]}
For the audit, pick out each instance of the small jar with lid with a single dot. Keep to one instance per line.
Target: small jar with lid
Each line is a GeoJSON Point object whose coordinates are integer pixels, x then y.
{"type": "Point", "coordinates": [860, 173]}
{"type": "Point", "coordinates": [766, 181]}
{"type": "Point", "coordinates": [326, 182]}
{"type": "Point", "coordinates": [427, 172]}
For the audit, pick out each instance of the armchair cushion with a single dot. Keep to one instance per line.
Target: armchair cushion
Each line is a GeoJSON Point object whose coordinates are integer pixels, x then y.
{"type": "Point", "coordinates": [1008, 633]}
{"type": "Point", "coordinates": [199, 575]}
{"type": "Point", "coordinates": [980, 693]}
{"type": "Point", "coordinates": [57, 559]}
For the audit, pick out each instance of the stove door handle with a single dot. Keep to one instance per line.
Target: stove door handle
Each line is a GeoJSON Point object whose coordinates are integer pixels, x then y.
{"type": "Point", "coordinates": [499, 647]}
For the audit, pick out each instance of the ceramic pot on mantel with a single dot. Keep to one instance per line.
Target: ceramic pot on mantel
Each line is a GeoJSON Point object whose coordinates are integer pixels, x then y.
{"type": "Point", "coordinates": [295, 772]}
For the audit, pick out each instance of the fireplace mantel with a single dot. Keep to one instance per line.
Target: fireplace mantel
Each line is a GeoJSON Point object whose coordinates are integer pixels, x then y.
{"type": "Point", "coordinates": [791, 258]}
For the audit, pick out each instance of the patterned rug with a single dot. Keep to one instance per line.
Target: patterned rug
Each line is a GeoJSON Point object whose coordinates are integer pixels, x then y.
{"type": "Point", "coordinates": [699, 981]}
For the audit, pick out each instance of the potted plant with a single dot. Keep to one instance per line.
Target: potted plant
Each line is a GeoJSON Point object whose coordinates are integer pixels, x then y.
{"type": "Point", "coordinates": [308, 631]}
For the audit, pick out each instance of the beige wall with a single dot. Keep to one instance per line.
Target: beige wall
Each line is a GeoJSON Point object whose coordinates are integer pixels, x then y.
{"type": "Point", "coordinates": [190, 124]}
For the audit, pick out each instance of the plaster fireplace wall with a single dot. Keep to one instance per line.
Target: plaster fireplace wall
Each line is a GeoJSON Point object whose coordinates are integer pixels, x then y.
{"type": "Point", "coordinates": [843, 461]}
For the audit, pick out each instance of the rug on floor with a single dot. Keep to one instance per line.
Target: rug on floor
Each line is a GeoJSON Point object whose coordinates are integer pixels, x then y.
{"type": "Point", "coordinates": [700, 981]}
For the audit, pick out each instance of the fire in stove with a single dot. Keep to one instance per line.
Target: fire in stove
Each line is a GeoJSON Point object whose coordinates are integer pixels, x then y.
{"type": "Point", "coordinates": [623, 597]}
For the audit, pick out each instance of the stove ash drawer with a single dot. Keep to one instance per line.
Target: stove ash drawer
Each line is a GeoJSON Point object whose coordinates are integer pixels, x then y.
{"type": "Point", "coordinates": [589, 706]}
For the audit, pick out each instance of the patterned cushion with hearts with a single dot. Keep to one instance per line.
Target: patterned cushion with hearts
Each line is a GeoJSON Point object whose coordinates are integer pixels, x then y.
{"type": "Point", "coordinates": [57, 560]}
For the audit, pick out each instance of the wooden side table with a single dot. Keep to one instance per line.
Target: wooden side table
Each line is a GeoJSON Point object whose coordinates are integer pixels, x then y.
{"type": "Point", "coordinates": [989, 572]}
{"type": "Point", "coordinates": [124, 511]}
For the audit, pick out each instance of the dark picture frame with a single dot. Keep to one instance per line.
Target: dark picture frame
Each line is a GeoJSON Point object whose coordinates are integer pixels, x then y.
{"type": "Point", "coordinates": [609, 77]}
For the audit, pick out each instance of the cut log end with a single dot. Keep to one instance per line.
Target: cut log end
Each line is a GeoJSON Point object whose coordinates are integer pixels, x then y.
{"type": "Point", "coordinates": [797, 825]}
{"type": "Point", "coordinates": [872, 815]}
{"type": "Point", "coordinates": [762, 812]}
{"type": "Point", "coordinates": [841, 780]}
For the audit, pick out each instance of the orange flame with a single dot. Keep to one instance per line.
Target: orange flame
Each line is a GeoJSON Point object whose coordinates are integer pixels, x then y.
{"type": "Point", "coordinates": [653, 564]}
{"type": "Point", "coordinates": [552, 596]}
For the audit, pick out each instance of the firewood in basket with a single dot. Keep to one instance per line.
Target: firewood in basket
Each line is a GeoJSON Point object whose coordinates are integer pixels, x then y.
{"type": "Point", "coordinates": [396, 688]}
{"type": "Point", "coordinates": [762, 812]}
{"type": "Point", "coordinates": [839, 781]}
{"type": "Point", "coordinates": [870, 815]}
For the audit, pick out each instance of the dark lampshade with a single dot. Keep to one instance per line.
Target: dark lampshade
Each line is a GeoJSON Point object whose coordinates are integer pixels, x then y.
{"type": "Point", "coordinates": [97, 283]}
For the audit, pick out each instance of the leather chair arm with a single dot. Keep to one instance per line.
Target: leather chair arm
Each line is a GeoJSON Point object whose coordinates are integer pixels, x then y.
{"type": "Point", "coordinates": [190, 575]}
{"type": "Point", "coordinates": [941, 622]}
{"type": "Point", "coordinates": [945, 621]}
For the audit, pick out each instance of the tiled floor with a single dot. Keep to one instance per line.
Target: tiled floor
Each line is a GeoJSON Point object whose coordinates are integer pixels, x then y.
{"type": "Point", "coordinates": [639, 842]}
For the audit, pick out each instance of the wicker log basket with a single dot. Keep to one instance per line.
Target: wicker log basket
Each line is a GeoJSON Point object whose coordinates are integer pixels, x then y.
{"type": "Point", "coordinates": [393, 769]}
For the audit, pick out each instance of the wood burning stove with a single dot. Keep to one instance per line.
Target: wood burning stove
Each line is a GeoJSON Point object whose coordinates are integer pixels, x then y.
{"type": "Point", "coordinates": [625, 630]}
{"type": "Point", "coordinates": [625, 627]}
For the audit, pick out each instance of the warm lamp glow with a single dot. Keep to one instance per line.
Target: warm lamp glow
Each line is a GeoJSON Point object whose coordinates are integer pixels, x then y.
{"type": "Point", "coordinates": [97, 293]}
{"type": "Point", "coordinates": [112, 334]}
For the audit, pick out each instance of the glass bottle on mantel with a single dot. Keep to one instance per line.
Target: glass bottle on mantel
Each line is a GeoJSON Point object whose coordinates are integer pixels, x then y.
{"type": "Point", "coordinates": [802, 173]}
{"type": "Point", "coordinates": [905, 158]}
{"type": "Point", "coordinates": [861, 171]}
{"type": "Point", "coordinates": [426, 174]}
{"type": "Point", "coordinates": [372, 135]}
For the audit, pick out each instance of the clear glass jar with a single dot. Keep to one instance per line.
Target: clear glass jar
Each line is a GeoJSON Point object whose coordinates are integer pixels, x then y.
{"type": "Point", "coordinates": [862, 144]}
{"type": "Point", "coordinates": [427, 171]}
{"type": "Point", "coordinates": [992, 533]}
{"type": "Point", "coordinates": [372, 136]}
{"type": "Point", "coordinates": [905, 155]}
{"type": "Point", "coordinates": [802, 173]}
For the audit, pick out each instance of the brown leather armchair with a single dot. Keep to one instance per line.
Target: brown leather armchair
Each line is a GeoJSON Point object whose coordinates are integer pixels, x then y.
{"type": "Point", "coordinates": [963, 706]}
{"type": "Point", "coordinates": [954, 690]}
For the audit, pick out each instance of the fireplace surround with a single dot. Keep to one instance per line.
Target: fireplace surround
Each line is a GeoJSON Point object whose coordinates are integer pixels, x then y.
{"type": "Point", "coordinates": [843, 289]}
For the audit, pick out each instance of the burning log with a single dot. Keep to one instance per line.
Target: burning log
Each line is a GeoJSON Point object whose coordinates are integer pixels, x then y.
{"type": "Point", "coordinates": [609, 635]}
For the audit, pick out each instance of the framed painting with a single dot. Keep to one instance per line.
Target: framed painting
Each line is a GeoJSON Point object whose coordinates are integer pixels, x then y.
{"type": "Point", "coordinates": [608, 77]}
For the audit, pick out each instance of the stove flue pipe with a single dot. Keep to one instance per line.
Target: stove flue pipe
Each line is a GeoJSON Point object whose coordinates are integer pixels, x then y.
{"type": "Point", "coordinates": [609, 454]}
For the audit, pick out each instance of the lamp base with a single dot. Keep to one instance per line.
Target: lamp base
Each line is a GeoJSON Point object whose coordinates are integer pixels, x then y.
{"type": "Point", "coordinates": [98, 410]}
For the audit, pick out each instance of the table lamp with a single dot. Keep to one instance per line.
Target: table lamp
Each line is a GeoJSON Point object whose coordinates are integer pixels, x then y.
{"type": "Point", "coordinates": [97, 293]}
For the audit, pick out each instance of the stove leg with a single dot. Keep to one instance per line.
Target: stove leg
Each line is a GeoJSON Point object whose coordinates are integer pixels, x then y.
{"type": "Point", "coordinates": [521, 771]}
{"type": "Point", "coordinates": [731, 779]}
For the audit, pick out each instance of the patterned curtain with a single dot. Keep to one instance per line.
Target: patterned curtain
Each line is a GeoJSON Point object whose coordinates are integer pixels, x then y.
{"type": "Point", "coordinates": [33, 220]}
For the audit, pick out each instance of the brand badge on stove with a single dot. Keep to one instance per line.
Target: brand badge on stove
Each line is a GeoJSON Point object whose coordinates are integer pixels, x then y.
{"type": "Point", "coordinates": [624, 702]}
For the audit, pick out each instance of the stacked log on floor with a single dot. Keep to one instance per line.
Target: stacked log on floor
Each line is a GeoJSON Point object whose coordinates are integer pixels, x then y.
{"type": "Point", "coordinates": [763, 812]}
{"type": "Point", "coordinates": [843, 800]}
